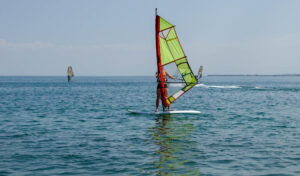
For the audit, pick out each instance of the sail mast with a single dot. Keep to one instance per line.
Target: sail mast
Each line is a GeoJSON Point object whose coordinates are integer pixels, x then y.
{"type": "Point", "coordinates": [158, 55]}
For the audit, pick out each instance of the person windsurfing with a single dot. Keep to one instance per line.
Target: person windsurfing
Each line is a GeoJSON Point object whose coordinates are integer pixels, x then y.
{"type": "Point", "coordinates": [158, 89]}
{"type": "Point", "coordinates": [70, 73]}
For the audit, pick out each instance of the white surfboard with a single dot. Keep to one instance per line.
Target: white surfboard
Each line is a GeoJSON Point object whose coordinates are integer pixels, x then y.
{"type": "Point", "coordinates": [166, 112]}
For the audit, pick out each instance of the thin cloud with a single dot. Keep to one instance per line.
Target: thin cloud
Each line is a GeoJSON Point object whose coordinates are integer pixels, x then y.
{"type": "Point", "coordinates": [31, 45]}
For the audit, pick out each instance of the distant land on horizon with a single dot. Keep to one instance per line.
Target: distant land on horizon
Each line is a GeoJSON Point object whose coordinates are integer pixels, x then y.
{"type": "Point", "coordinates": [254, 75]}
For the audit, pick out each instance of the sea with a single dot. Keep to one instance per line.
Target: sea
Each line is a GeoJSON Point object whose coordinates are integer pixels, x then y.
{"type": "Point", "coordinates": [249, 125]}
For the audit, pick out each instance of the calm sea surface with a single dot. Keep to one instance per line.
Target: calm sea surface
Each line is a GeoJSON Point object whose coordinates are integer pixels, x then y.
{"type": "Point", "coordinates": [248, 126]}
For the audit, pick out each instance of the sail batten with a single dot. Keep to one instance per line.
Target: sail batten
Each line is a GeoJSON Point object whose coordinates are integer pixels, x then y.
{"type": "Point", "coordinates": [169, 50]}
{"type": "Point", "coordinates": [174, 61]}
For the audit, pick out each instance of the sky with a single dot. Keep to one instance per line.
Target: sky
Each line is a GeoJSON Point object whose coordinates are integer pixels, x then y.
{"type": "Point", "coordinates": [117, 38]}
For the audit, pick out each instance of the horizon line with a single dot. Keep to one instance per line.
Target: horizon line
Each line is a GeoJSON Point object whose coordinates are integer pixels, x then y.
{"type": "Point", "coordinates": [285, 74]}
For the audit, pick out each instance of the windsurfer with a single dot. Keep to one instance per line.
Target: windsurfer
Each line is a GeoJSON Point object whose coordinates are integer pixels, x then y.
{"type": "Point", "coordinates": [158, 90]}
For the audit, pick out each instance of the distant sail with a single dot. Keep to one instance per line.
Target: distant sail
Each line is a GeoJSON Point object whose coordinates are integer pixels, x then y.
{"type": "Point", "coordinates": [200, 72]}
{"type": "Point", "coordinates": [169, 50]}
{"type": "Point", "coordinates": [70, 73]}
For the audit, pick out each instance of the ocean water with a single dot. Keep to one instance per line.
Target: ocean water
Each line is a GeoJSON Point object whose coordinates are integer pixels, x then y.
{"type": "Point", "coordinates": [248, 126]}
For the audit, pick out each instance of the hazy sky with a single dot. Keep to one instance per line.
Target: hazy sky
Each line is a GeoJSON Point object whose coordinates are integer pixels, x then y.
{"type": "Point", "coordinates": [113, 37]}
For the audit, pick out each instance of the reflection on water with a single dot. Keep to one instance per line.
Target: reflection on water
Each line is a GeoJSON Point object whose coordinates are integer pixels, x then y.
{"type": "Point", "coordinates": [175, 155]}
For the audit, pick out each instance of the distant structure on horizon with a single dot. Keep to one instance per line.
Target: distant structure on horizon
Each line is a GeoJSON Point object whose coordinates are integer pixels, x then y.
{"type": "Point", "coordinates": [70, 73]}
{"type": "Point", "coordinates": [256, 75]}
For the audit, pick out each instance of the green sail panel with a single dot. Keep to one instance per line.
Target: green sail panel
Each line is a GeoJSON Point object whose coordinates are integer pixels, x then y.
{"type": "Point", "coordinates": [185, 71]}
{"type": "Point", "coordinates": [174, 45]}
{"type": "Point", "coordinates": [170, 47]}
{"type": "Point", "coordinates": [164, 24]}
{"type": "Point", "coordinates": [166, 56]}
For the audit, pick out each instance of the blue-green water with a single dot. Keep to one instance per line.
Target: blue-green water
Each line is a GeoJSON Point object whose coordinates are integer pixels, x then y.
{"type": "Point", "coordinates": [248, 126]}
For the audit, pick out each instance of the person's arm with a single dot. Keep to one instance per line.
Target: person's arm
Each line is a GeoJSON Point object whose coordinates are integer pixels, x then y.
{"type": "Point", "coordinates": [170, 76]}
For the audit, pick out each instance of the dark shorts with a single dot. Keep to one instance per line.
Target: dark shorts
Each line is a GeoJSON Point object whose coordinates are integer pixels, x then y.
{"type": "Point", "coordinates": [159, 86]}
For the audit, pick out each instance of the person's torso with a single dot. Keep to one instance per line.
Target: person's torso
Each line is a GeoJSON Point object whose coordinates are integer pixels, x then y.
{"type": "Point", "coordinates": [164, 77]}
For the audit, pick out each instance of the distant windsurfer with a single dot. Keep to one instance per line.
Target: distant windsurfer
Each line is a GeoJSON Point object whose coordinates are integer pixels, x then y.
{"type": "Point", "coordinates": [70, 73]}
{"type": "Point", "coordinates": [158, 90]}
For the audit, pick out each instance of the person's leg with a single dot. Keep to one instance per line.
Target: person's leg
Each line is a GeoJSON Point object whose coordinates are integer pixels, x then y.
{"type": "Point", "coordinates": [157, 99]}
{"type": "Point", "coordinates": [167, 95]}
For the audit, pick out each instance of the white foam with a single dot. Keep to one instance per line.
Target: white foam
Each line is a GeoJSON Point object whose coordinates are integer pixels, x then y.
{"type": "Point", "coordinates": [260, 88]}
{"type": "Point", "coordinates": [218, 86]}
{"type": "Point", "coordinates": [176, 84]}
{"type": "Point", "coordinates": [208, 86]}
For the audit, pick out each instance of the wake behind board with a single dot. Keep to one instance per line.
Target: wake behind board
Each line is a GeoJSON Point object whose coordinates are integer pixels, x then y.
{"type": "Point", "coordinates": [166, 112]}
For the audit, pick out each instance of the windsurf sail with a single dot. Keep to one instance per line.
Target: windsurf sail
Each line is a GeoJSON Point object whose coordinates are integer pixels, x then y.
{"type": "Point", "coordinates": [70, 71]}
{"type": "Point", "coordinates": [169, 51]}
{"type": "Point", "coordinates": [200, 72]}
